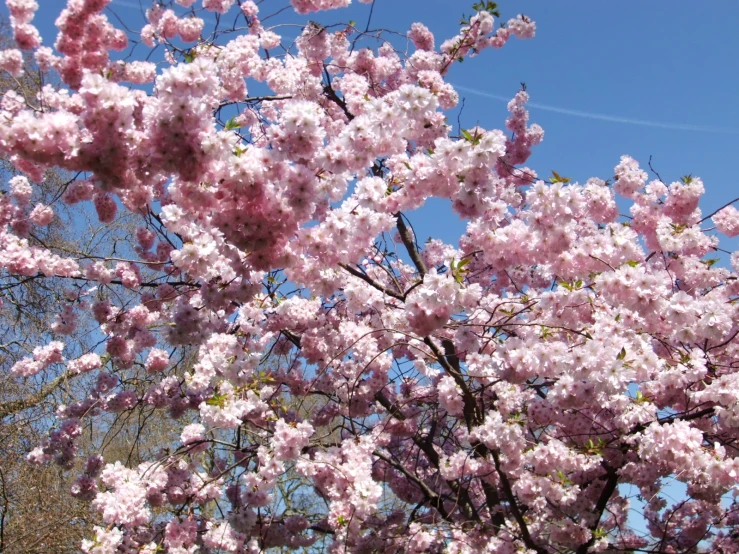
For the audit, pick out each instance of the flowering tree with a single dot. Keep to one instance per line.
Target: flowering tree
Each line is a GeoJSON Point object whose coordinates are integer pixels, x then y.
{"type": "Point", "coordinates": [352, 388]}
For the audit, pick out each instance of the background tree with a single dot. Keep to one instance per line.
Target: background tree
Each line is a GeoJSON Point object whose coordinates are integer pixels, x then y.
{"type": "Point", "coordinates": [31, 307]}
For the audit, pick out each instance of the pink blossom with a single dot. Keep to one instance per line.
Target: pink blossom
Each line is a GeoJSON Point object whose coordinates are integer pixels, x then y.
{"type": "Point", "coordinates": [106, 207]}
{"type": "Point", "coordinates": [12, 62]}
{"type": "Point", "coordinates": [41, 215]}
{"type": "Point", "coordinates": [129, 273]}
{"type": "Point", "coordinates": [194, 432]}
{"type": "Point", "coordinates": [106, 541]}
{"type": "Point", "coordinates": [190, 28]}
{"type": "Point", "coordinates": [522, 27]}
{"type": "Point", "coordinates": [181, 534]}
{"type": "Point", "coordinates": [249, 8]}
{"type": "Point", "coordinates": [290, 439]}
{"type": "Point", "coordinates": [21, 189]}
{"type": "Point", "coordinates": [727, 221]}
{"type": "Point", "coordinates": [307, 6]}
{"type": "Point", "coordinates": [219, 6]}
{"type": "Point", "coordinates": [84, 364]}
{"type": "Point", "coordinates": [422, 38]}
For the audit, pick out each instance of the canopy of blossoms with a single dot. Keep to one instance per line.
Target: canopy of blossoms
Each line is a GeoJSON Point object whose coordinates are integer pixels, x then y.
{"type": "Point", "coordinates": [491, 395]}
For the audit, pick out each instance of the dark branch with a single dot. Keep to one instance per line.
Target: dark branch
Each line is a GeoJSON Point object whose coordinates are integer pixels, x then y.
{"type": "Point", "coordinates": [367, 279]}
{"type": "Point", "coordinates": [410, 245]}
{"type": "Point", "coordinates": [600, 506]}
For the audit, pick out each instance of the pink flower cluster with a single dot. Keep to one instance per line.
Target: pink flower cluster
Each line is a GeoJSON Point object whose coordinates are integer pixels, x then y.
{"type": "Point", "coordinates": [11, 60]}
{"type": "Point", "coordinates": [21, 14]}
{"type": "Point", "coordinates": [43, 357]}
{"type": "Point", "coordinates": [727, 221]}
{"type": "Point", "coordinates": [307, 6]}
{"type": "Point", "coordinates": [85, 39]}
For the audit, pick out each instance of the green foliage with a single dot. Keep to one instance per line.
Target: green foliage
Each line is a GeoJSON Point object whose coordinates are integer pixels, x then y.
{"type": "Point", "coordinates": [571, 286]}
{"type": "Point", "coordinates": [490, 7]}
{"type": "Point", "coordinates": [232, 124]}
{"type": "Point", "coordinates": [594, 448]}
{"type": "Point", "coordinates": [469, 137]}
{"type": "Point", "coordinates": [458, 269]}
{"type": "Point", "coordinates": [557, 178]}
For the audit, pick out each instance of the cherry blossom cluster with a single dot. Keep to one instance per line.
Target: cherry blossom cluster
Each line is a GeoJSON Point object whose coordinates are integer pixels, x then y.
{"type": "Point", "coordinates": [275, 303]}
{"type": "Point", "coordinates": [22, 13]}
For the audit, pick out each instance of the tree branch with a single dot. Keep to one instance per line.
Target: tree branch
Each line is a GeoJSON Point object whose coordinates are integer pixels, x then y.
{"type": "Point", "coordinates": [450, 362]}
{"type": "Point", "coordinates": [15, 406]}
{"type": "Point", "coordinates": [709, 216]}
{"type": "Point", "coordinates": [367, 279]}
{"type": "Point", "coordinates": [410, 245]}
{"type": "Point", "coordinates": [431, 496]}
{"type": "Point", "coordinates": [600, 506]}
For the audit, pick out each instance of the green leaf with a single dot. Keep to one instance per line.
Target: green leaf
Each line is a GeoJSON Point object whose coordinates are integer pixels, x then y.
{"type": "Point", "coordinates": [565, 285]}
{"type": "Point", "coordinates": [632, 263]}
{"type": "Point", "coordinates": [216, 400]}
{"type": "Point", "coordinates": [622, 354]}
{"type": "Point", "coordinates": [232, 124]}
{"type": "Point", "coordinates": [678, 228]}
{"type": "Point", "coordinates": [469, 137]}
{"type": "Point", "coordinates": [557, 178]}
